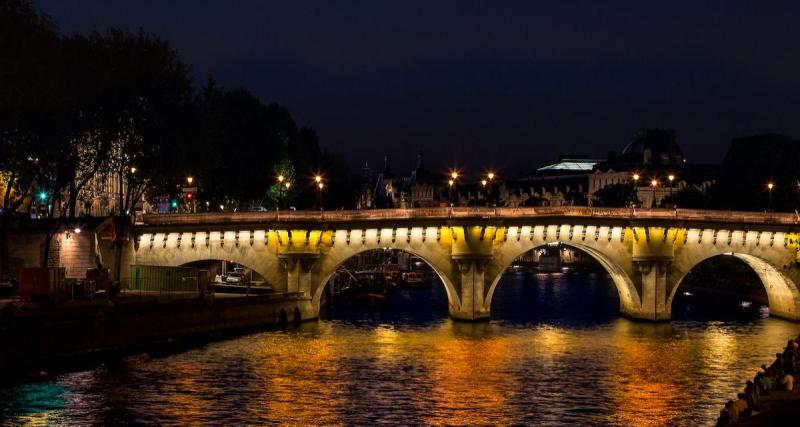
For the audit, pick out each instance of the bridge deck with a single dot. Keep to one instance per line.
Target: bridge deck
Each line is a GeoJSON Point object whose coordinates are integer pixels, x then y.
{"type": "Point", "coordinates": [446, 213]}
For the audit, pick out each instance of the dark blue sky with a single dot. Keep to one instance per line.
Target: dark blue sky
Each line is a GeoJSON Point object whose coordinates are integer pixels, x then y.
{"type": "Point", "coordinates": [509, 84]}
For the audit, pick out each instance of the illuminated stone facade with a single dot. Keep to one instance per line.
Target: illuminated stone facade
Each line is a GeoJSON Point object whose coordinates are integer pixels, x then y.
{"type": "Point", "coordinates": [647, 254]}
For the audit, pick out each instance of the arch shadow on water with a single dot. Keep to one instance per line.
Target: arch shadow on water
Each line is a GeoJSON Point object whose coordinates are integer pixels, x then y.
{"type": "Point", "coordinates": [584, 298]}
{"type": "Point", "coordinates": [404, 306]}
{"type": "Point", "coordinates": [721, 287]}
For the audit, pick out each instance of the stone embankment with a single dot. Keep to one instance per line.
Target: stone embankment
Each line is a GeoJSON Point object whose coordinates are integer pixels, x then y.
{"type": "Point", "coordinates": [34, 335]}
{"type": "Point", "coordinates": [772, 398]}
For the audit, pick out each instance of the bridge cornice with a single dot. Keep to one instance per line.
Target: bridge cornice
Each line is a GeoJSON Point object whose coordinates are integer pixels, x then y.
{"type": "Point", "coordinates": [499, 217]}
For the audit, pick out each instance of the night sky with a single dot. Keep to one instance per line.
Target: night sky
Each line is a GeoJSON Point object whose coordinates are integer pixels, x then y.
{"type": "Point", "coordinates": [509, 85]}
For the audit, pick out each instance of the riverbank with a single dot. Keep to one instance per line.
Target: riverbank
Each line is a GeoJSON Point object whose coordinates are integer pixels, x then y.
{"type": "Point", "coordinates": [779, 408]}
{"type": "Point", "coordinates": [34, 335]}
{"type": "Point", "coordinates": [772, 402]}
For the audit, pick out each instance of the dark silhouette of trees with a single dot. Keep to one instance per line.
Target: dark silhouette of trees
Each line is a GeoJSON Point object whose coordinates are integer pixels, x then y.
{"type": "Point", "coordinates": [691, 197]}
{"type": "Point", "coordinates": [31, 106]}
{"type": "Point", "coordinates": [119, 106]}
{"type": "Point", "coordinates": [616, 195]}
{"type": "Point", "coordinates": [750, 164]}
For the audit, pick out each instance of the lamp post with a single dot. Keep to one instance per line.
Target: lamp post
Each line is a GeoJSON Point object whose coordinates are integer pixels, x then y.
{"type": "Point", "coordinates": [485, 192]}
{"type": "Point", "coordinates": [452, 182]}
{"type": "Point", "coordinates": [320, 186]}
{"type": "Point", "coordinates": [490, 194]}
{"type": "Point", "coordinates": [671, 178]}
{"type": "Point", "coordinates": [189, 194]}
{"type": "Point", "coordinates": [654, 184]}
{"type": "Point", "coordinates": [797, 206]}
{"type": "Point", "coordinates": [281, 178]}
{"type": "Point", "coordinates": [635, 188]}
{"type": "Point", "coordinates": [770, 186]}
{"type": "Point", "coordinates": [450, 192]}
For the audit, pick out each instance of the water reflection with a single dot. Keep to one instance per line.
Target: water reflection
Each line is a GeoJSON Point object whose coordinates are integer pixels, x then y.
{"type": "Point", "coordinates": [536, 364]}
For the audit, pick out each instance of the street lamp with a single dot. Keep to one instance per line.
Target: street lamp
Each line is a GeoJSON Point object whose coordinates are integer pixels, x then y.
{"type": "Point", "coordinates": [671, 178]}
{"type": "Point", "coordinates": [770, 186]}
{"type": "Point", "coordinates": [320, 186]}
{"type": "Point", "coordinates": [654, 184]}
{"type": "Point", "coordinates": [489, 195]}
{"type": "Point", "coordinates": [133, 170]}
{"type": "Point", "coordinates": [189, 196]}
{"type": "Point", "coordinates": [450, 191]}
{"type": "Point", "coordinates": [281, 195]}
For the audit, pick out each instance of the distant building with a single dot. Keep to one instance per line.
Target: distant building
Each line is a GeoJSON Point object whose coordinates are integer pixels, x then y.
{"type": "Point", "coordinates": [387, 190]}
{"type": "Point", "coordinates": [653, 155]}
{"type": "Point", "coordinates": [559, 184]}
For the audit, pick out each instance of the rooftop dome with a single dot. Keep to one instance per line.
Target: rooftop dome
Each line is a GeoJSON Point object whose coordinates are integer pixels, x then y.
{"type": "Point", "coordinates": [654, 147]}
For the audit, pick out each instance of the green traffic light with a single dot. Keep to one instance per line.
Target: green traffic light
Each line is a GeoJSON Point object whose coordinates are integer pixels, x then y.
{"type": "Point", "coordinates": [43, 196]}
{"type": "Point", "coordinates": [174, 203]}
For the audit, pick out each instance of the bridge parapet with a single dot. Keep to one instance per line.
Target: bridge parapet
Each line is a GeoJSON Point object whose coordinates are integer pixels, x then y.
{"type": "Point", "coordinates": [468, 213]}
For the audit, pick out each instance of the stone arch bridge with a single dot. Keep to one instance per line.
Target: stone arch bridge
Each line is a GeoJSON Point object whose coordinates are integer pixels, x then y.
{"type": "Point", "coordinates": [646, 252]}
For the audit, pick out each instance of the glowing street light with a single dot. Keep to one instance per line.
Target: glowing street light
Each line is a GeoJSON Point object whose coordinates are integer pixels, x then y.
{"type": "Point", "coordinates": [654, 184]}
{"type": "Point", "coordinates": [320, 186]}
{"type": "Point", "coordinates": [133, 170]}
{"type": "Point", "coordinates": [770, 186]}
{"type": "Point", "coordinates": [189, 180]}
{"type": "Point", "coordinates": [484, 182]}
{"type": "Point", "coordinates": [281, 178]}
{"type": "Point", "coordinates": [490, 175]}
{"type": "Point", "coordinates": [43, 196]}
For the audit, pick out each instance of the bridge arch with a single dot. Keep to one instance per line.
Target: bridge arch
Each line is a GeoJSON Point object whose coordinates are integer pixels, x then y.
{"type": "Point", "coordinates": [329, 270]}
{"type": "Point", "coordinates": [200, 263]}
{"type": "Point", "coordinates": [628, 294]}
{"type": "Point", "coordinates": [782, 293]}
{"type": "Point", "coordinates": [256, 257]}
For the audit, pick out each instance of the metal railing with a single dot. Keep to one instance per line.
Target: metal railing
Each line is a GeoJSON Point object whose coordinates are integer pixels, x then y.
{"type": "Point", "coordinates": [470, 213]}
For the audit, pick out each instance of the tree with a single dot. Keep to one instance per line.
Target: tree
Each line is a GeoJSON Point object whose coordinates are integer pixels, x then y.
{"type": "Point", "coordinates": [31, 102]}
{"type": "Point", "coordinates": [750, 164]}
{"type": "Point", "coordinates": [281, 192]}
{"type": "Point", "coordinates": [616, 195]}
{"type": "Point", "coordinates": [690, 197]}
{"type": "Point", "coordinates": [145, 90]}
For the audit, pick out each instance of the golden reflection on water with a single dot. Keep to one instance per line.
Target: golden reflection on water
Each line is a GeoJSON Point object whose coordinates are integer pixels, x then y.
{"type": "Point", "coordinates": [470, 383]}
{"type": "Point", "coordinates": [446, 373]}
{"type": "Point", "coordinates": [300, 381]}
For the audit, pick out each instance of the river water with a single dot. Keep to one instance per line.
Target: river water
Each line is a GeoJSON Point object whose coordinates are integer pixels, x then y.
{"type": "Point", "coordinates": [556, 353]}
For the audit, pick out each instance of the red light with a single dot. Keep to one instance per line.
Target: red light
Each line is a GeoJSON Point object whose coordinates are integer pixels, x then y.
{"type": "Point", "coordinates": [188, 196]}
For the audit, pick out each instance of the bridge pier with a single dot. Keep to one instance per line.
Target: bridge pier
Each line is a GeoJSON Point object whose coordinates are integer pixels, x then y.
{"type": "Point", "coordinates": [472, 289]}
{"type": "Point", "coordinates": [654, 291]}
{"type": "Point", "coordinates": [298, 272]}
